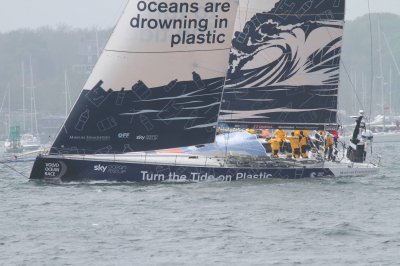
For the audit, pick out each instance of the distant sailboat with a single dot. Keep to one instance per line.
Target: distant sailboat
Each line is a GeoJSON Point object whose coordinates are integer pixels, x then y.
{"type": "Point", "coordinates": [385, 127]}
{"type": "Point", "coordinates": [13, 144]}
{"type": "Point", "coordinates": [30, 139]}
{"type": "Point", "coordinates": [161, 87]}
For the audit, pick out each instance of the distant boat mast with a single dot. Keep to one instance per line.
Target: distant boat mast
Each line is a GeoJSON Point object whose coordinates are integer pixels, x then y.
{"type": "Point", "coordinates": [67, 94]}
{"type": "Point", "coordinates": [34, 123]}
{"type": "Point", "coordinates": [23, 97]}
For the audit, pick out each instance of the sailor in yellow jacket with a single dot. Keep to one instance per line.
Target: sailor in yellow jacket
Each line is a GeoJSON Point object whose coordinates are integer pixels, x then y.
{"type": "Point", "coordinates": [303, 144]}
{"type": "Point", "coordinates": [296, 132]}
{"type": "Point", "coordinates": [280, 136]}
{"type": "Point", "coordinates": [329, 145]}
{"type": "Point", "coordinates": [295, 144]}
{"type": "Point", "coordinates": [275, 145]}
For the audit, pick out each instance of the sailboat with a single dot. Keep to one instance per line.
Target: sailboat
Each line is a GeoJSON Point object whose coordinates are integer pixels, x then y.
{"type": "Point", "coordinates": [30, 140]}
{"type": "Point", "coordinates": [23, 140]}
{"type": "Point", "coordinates": [162, 83]}
{"type": "Point", "coordinates": [12, 145]}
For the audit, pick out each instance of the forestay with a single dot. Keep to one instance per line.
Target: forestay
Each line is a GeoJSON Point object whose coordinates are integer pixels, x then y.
{"type": "Point", "coordinates": [158, 83]}
{"type": "Point", "coordinates": [284, 64]}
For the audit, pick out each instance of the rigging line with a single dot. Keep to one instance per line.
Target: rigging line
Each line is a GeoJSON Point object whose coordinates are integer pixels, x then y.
{"type": "Point", "coordinates": [229, 131]}
{"type": "Point", "coordinates": [372, 61]}
{"type": "Point", "coordinates": [3, 102]}
{"type": "Point", "coordinates": [349, 78]}
{"type": "Point", "coordinates": [352, 85]}
{"type": "Point", "coordinates": [348, 74]}
{"type": "Point", "coordinates": [219, 113]}
{"type": "Point", "coordinates": [391, 52]}
{"type": "Point", "coordinates": [372, 68]}
{"type": "Point", "coordinates": [13, 169]}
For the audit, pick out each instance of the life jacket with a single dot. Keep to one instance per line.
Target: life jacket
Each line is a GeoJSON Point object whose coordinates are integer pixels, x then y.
{"type": "Point", "coordinates": [251, 131]}
{"type": "Point", "coordinates": [303, 141]}
{"type": "Point", "coordinates": [279, 134]}
{"type": "Point", "coordinates": [294, 142]}
{"type": "Point", "coordinates": [328, 141]}
{"type": "Point", "coordinates": [275, 144]}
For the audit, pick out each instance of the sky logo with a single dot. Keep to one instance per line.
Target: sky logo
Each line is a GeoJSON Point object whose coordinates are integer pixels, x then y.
{"type": "Point", "coordinates": [100, 168]}
{"type": "Point", "coordinates": [140, 137]}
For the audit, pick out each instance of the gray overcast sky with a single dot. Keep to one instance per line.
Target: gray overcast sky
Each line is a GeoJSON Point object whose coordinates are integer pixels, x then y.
{"type": "Point", "coordinates": [17, 14]}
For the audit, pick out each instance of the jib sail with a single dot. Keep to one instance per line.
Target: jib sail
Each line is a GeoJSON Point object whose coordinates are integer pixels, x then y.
{"type": "Point", "coordinates": [284, 64]}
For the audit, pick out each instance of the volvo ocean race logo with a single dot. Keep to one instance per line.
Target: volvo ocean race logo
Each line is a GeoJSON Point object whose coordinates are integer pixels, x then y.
{"type": "Point", "coordinates": [55, 170]}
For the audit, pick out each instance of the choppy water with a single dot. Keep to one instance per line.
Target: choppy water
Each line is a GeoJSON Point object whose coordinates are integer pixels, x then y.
{"type": "Point", "coordinates": [275, 222]}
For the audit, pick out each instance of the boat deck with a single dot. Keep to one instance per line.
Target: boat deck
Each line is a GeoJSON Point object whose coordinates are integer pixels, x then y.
{"type": "Point", "coordinates": [216, 162]}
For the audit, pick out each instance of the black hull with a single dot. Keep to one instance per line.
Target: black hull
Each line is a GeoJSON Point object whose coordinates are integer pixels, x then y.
{"type": "Point", "coordinates": [68, 170]}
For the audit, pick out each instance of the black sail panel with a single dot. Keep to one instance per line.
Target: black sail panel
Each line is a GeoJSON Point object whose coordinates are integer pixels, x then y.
{"type": "Point", "coordinates": [284, 64]}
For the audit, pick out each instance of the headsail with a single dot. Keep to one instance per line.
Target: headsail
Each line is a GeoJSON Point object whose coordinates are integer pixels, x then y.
{"type": "Point", "coordinates": [158, 83]}
{"type": "Point", "coordinates": [284, 64]}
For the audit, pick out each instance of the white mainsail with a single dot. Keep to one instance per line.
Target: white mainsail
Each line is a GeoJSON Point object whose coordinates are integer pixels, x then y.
{"type": "Point", "coordinates": [159, 81]}
{"type": "Point", "coordinates": [157, 47]}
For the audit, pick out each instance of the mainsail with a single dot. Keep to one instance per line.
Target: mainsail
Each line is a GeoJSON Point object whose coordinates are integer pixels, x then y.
{"type": "Point", "coordinates": [158, 83]}
{"type": "Point", "coordinates": [284, 64]}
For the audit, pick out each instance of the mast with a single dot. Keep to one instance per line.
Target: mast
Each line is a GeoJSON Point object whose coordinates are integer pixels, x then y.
{"type": "Point", "coordinates": [97, 45]}
{"type": "Point", "coordinates": [353, 96]}
{"type": "Point", "coordinates": [381, 76]}
{"type": "Point", "coordinates": [67, 94]}
{"type": "Point", "coordinates": [34, 123]}
{"type": "Point", "coordinates": [364, 89]}
{"type": "Point", "coordinates": [390, 92]}
{"type": "Point", "coordinates": [9, 107]}
{"type": "Point", "coordinates": [1, 108]}
{"type": "Point", "coordinates": [23, 97]}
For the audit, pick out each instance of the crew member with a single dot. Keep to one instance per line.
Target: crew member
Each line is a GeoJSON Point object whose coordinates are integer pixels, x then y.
{"type": "Point", "coordinates": [319, 139]}
{"type": "Point", "coordinates": [335, 136]}
{"type": "Point", "coordinates": [329, 146]}
{"type": "Point", "coordinates": [303, 144]}
{"type": "Point", "coordinates": [280, 136]}
{"type": "Point", "coordinates": [251, 131]}
{"type": "Point", "coordinates": [306, 134]}
{"type": "Point", "coordinates": [295, 144]}
{"type": "Point", "coordinates": [275, 145]}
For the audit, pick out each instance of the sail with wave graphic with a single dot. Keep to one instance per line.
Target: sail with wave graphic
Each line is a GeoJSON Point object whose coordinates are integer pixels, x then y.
{"type": "Point", "coordinates": [284, 63]}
